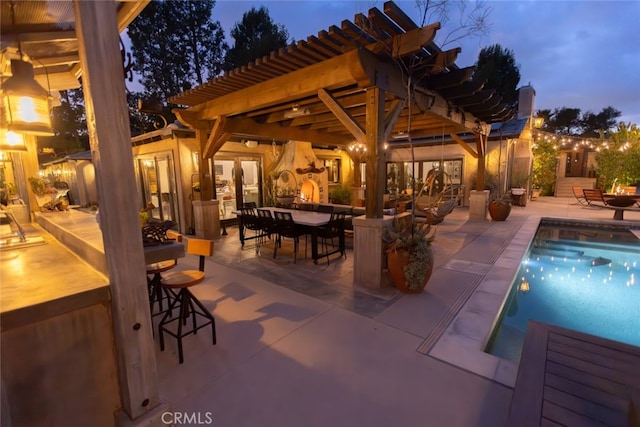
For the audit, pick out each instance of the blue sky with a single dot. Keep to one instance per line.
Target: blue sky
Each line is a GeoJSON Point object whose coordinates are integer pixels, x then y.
{"type": "Point", "coordinates": [579, 54]}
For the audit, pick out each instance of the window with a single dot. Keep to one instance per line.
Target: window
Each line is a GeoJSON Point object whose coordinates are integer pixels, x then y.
{"type": "Point", "coordinates": [333, 167]}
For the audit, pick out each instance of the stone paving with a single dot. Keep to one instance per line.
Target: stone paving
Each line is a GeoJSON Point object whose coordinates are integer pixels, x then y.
{"type": "Point", "coordinates": [299, 345]}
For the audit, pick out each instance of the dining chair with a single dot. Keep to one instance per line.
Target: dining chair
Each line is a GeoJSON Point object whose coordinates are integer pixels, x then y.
{"type": "Point", "coordinates": [250, 221]}
{"type": "Point", "coordinates": [286, 227]}
{"type": "Point", "coordinates": [333, 229]}
{"type": "Point", "coordinates": [267, 224]}
{"type": "Point", "coordinates": [325, 209]}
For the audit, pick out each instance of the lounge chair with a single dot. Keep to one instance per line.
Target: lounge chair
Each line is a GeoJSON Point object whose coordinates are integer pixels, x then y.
{"type": "Point", "coordinates": [579, 195]}
{"type": "Point", "coordinates": [593, 197]}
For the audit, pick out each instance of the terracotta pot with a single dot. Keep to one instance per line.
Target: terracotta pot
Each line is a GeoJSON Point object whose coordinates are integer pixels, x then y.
{"type": "Point", "coordinates": [499, 210]}
{"type": "Point", "coordinates": [396, 261]}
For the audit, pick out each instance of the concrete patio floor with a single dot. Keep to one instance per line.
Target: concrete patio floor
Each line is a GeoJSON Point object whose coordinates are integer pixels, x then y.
{"type": "Point", "coordinates": [298, 345]}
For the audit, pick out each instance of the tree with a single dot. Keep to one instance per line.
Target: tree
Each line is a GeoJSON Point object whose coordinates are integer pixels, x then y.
{"type": "Point", "coordinates": [497, 66]}
{"type": "Point", "coordinates": [204, 40]}
{"type": "Point", "coordinates": [69, 125]}
{"type": "Point", "coordinates": [254, 37]}
{"type": "Point", "coordinates": [545, 158]}
{"type": "Point", "coordinates": [176, 45]}
{"type": "Point", "coordinates": [564, 121]}
{"type": "Point", "coordinates": [620, 162]}
{"type": "Point", "coordinates": [599, 124]}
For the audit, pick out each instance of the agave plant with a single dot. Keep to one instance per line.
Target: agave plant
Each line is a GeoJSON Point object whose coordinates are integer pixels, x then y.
{"type": "Point", "coordinates": [412, 240]}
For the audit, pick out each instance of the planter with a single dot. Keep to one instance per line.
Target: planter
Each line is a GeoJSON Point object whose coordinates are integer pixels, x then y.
{"type": "Point", "coordinates": [499, 210]}
{"type": "Point", "coordinates": [285, 200]}
{"type": "Point", "coordinates": [397, 260]}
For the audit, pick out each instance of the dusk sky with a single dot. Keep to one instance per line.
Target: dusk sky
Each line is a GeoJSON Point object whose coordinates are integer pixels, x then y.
{"type": "Point", "coordinates": [578, 54]}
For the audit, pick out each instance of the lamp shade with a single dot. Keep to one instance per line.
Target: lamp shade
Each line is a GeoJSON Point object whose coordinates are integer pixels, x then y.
{"type": "Point", "coordinates": [26, 103]}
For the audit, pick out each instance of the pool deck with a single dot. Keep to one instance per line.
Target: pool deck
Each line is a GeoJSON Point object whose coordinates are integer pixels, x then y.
{"type": "Point", "coordinates": [299, 345]}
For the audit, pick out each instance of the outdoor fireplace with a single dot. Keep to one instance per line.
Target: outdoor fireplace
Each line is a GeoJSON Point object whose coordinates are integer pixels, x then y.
{"type": "Point", "coordinates": [311, 182]}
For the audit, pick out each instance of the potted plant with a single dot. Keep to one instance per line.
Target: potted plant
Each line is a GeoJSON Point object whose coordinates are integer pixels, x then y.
{"type": "Point", "coordinates": [409, 253]}
{"type": "Point", "coordinates": [285, 196]}
{"type": "Point", "coordinates": [340, 195]}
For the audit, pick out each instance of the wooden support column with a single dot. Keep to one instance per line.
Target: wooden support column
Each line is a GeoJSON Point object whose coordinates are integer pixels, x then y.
{"type": "Point", "coordinates": [109, 137]}
{"type": "Point", "coordinates": [368, 260]}
{"type": "Point", "coordinates": [30, 168]}
{"type": "Point", "coordinates": [479, 197]}
{"type": "Point", "coordinates": [206, 187]}
{"type": "Point", "coordinates": [376, 165]}
{"type": "Point", "coordinates": [481, 149]}
{"type": "Point", "coordinates": [205, 211]}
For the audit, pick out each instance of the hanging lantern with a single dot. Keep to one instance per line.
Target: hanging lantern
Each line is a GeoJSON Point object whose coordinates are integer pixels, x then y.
{"type": "Point", "coordinates": [26, 103]}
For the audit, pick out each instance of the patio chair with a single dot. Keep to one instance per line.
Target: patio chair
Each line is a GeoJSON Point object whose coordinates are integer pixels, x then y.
{"type": "Point", "coordinates": [325, 209]}
{"type": "Point", "coordinates": [266, 223]}
{"type": "Point", "coordinates": [334, 229]}
{"type": "Point", "coordinates": [250, 221]}
{"type": "Point", "coordinates": [579, 195]}
{"type": "Point", "coordinates": [286, 227]}
{"type": "Point", "coordinates": [593, 197]}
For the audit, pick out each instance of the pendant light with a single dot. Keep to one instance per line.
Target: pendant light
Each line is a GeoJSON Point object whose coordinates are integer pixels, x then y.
{"type": "Point", "coordinates": [26, 103]}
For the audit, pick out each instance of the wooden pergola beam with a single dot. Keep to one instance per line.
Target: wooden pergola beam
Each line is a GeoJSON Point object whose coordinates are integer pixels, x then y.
{"type": "Point", "coordinates": [464, 145]}
{"type": "Point", "coordinates": [342, 115]}
{"type": "Point", "coordinates": [249, 126]}
{"type": "Point", "coordinates": [408, 43]}
{"type": "Point", "coordinates": [391, 118]}
{"type": "Point", "coordinates": [213, 142]}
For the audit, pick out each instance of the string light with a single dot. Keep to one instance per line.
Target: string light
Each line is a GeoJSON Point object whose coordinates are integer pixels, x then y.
{"type": "Point", "coordinates": [564, 142]}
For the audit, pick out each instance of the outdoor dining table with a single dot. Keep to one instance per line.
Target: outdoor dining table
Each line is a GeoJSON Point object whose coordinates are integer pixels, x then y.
{"type": "Point", "coordinates": [309, 219]}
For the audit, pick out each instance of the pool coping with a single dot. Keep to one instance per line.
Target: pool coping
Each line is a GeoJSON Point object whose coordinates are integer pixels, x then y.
{"type": "Point", "coordinates": [465, 338]}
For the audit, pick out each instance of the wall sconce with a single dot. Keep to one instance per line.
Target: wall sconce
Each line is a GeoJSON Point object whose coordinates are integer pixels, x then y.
{"type": "Point", "coordinates": [26, 103]}
{"type": "Point", "coordinates": [296, 111]}
{"type": "Point", "coordinates": [11, 141]}
{"type": "Point", "coordinates": [538, 122]}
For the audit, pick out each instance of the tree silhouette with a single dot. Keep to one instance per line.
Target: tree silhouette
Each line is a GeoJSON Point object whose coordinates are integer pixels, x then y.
{"type": "Point", "coordinates": [255, 36]}
{"type": "Point", "coordinates": [497, 66]}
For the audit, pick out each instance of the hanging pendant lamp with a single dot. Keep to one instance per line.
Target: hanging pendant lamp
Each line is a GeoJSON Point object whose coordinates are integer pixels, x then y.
{"type": "Point", "coordinates": [26, 103]}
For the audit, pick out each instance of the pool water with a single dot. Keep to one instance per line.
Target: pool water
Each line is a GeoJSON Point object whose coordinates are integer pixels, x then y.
{"type": "Point", "coordinates": [580, 277]}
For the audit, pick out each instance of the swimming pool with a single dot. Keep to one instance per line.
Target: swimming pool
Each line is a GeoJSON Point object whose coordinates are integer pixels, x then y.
{"type": "Point", "coordinates": [578, 276]}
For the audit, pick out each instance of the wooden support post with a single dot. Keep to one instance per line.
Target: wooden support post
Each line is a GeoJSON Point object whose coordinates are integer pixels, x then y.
{"type": "Point", "coordinates": [206, 188]}
{"type": "Point", "coordinates": [109, 136]}
{"type": "Point", "coordinates": [480, 148]}
{"type": "Point", "coordinates": [376, 165]}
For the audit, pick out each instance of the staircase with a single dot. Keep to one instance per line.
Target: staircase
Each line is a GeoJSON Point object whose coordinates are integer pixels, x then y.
{"type": "Point", "coordinates": [564, 185]}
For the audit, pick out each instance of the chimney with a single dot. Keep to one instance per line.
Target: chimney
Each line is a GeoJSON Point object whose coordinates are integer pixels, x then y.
{"type": "Point", "coordinates": [526, 101]}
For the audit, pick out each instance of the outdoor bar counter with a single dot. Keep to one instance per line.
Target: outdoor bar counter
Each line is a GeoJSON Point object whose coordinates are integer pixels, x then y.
{"type": "Point", "coordinates": [58, 351]}
{"type": "Point", "coordinates": [58, 357]}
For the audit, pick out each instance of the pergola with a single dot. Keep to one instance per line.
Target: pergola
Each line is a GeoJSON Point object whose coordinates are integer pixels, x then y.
{"type": "Point", "coordinates": [365, 81]}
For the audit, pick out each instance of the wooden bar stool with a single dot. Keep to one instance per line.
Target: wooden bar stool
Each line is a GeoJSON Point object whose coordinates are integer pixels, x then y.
{"type": "Point", "coordinates": [186, 303]}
